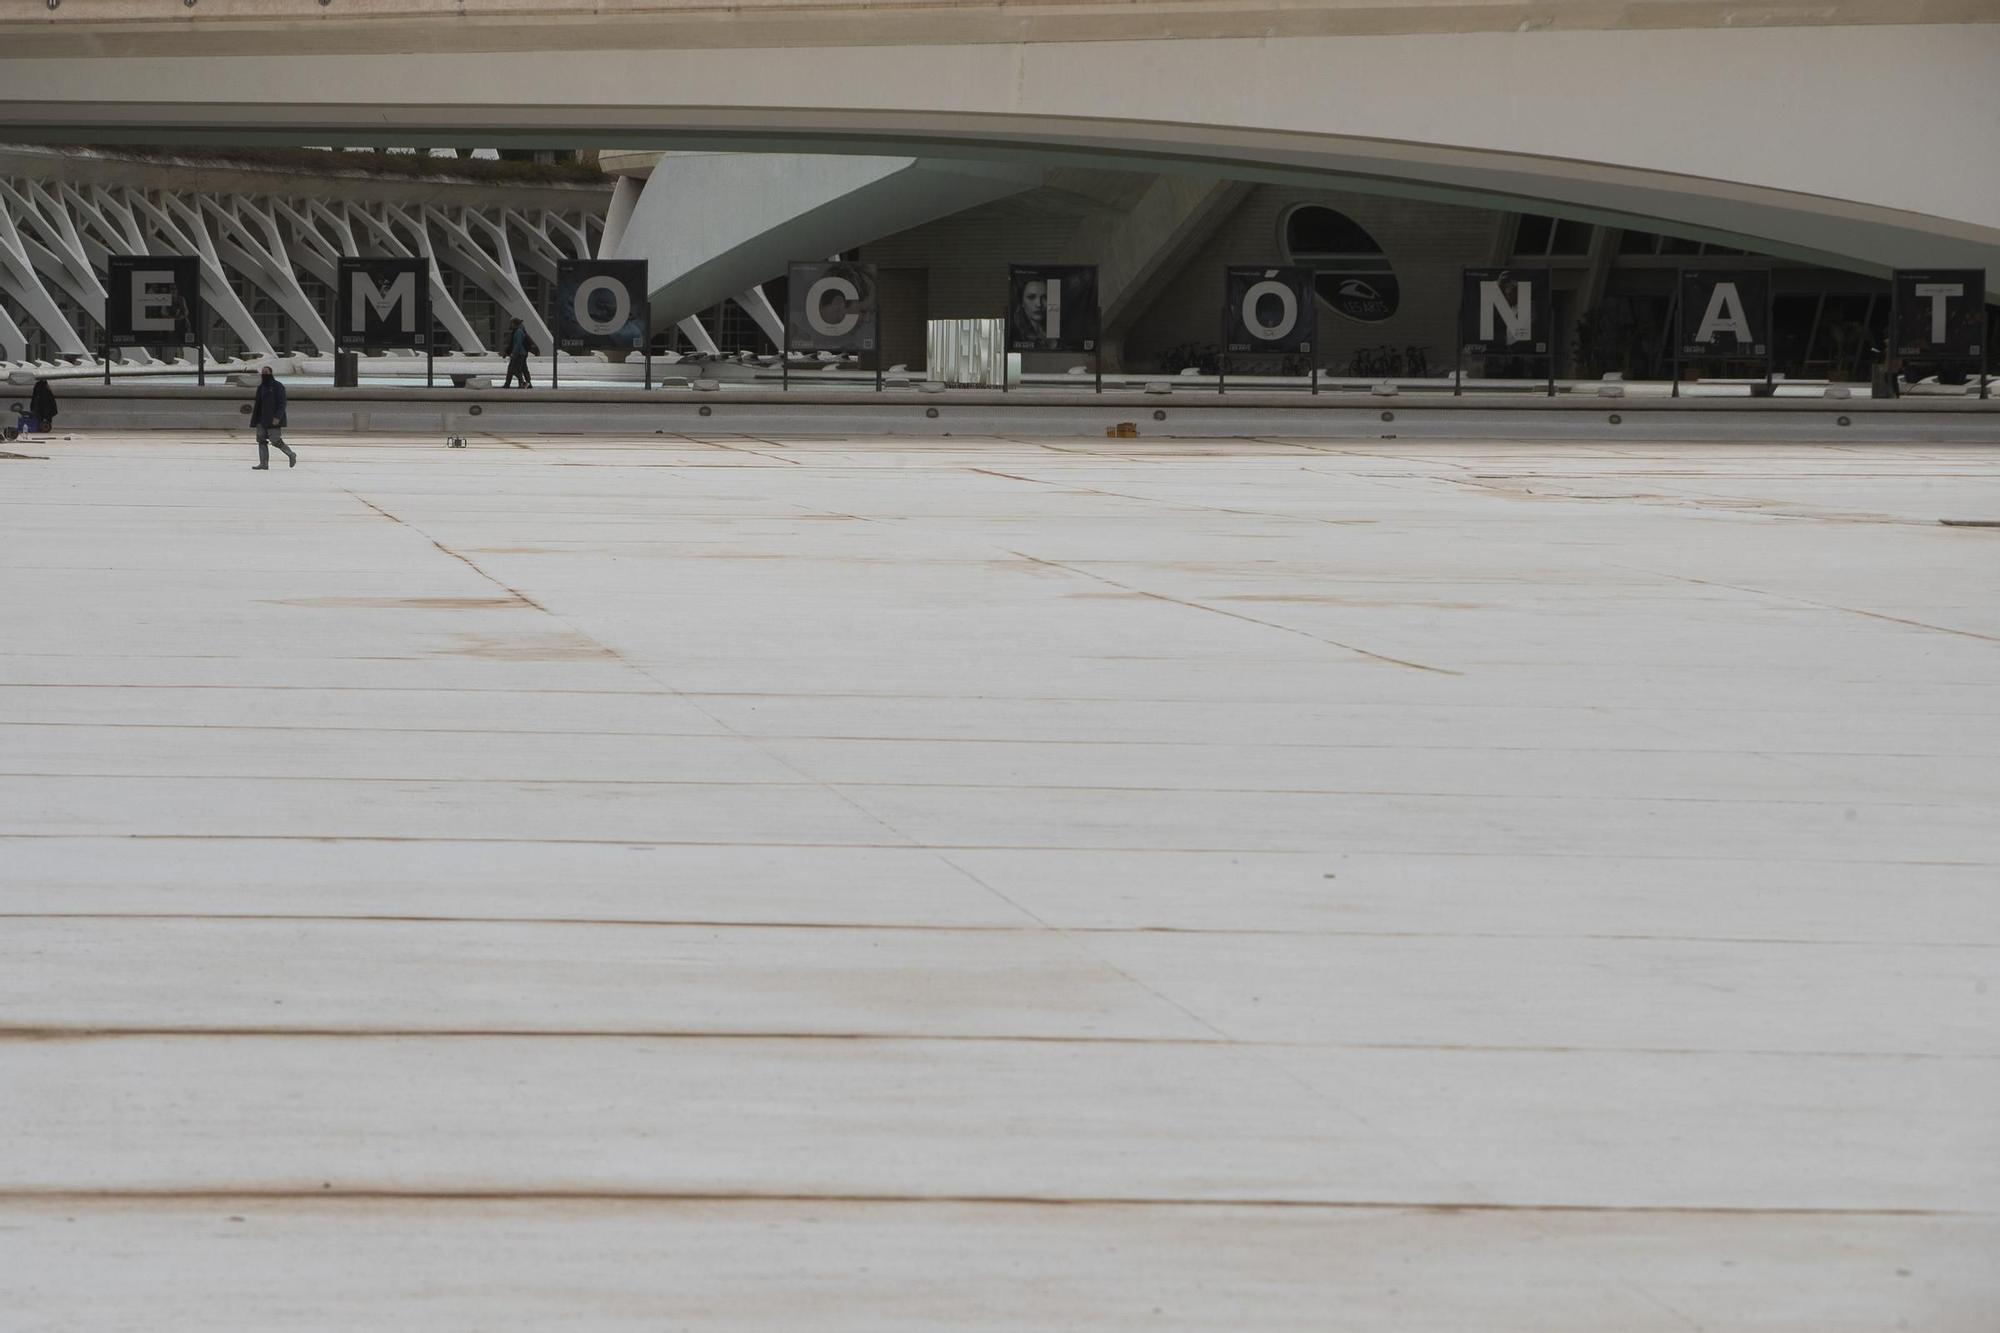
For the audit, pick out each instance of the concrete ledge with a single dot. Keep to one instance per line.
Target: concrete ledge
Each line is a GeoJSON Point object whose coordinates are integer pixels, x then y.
{"type": "Point", "coordinates": [819, 411]}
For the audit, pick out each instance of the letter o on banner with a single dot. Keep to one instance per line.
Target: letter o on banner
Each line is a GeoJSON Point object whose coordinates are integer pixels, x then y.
{"type": "Point", "coordinates": [816, 306]}
{"type": "Point", "coordinates": [621, 304]}
{"type": "Point", "coordinates": [1288, 310]}
{"type": "Point", "coordinates": [1268, 309]}
{"type": "Point", "coordinates": [602, 303]}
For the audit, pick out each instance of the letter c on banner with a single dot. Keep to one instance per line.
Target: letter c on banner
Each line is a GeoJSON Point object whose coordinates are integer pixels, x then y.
{"type": "Point", "coordinates": [1288, 310]}
{"type": "Point", "coordinates": [621, 304]}
{"type": "Point", "coordinates": [816, 303]}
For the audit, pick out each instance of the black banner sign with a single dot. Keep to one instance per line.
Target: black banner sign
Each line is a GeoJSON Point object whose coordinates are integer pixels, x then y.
{"type": "Point", "coordinates": [153, 300]}
{"type": "Point", "coordinates": [1725, 314]}
{"type": "Point", "coordinates": [383, 303]}
{"type": "Point", "coordinates": [1052, 308]}
{"type": "Point", "coordinates": [602, 303]}
{"type": "Point", "coordinates": [831, 306]}
{"type": "Point", "coordinates": [1368, 296]}
{"type": "Point", "coordinates": [1941, 313]}
{"type": "Point", "coordinates": [1269, 310]}
{"type": "Point", "coordinates": [1505, 312]}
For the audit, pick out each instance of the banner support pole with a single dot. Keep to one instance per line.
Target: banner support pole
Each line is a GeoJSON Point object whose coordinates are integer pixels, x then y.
{"type": "Point", "coordinates": [1458, 343]}
{"type": "Point", "coordinates": [1770, 335]}
{"type": "Point", "coordinates": [1549, 285]}
{"type": "Point", "coordinates": [1680, 317]}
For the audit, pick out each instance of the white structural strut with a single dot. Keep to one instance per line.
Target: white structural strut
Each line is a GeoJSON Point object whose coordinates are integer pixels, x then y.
{"type": "Point", "coordinates": [1770, 126]}
{"type": "Point", "coordinates": [714, 225]}
{"type": "Point", "coordinates": [56, 237]}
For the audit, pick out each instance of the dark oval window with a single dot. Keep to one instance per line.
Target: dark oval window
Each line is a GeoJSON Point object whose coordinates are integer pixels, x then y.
{"type": "Point", "coordinates": [1350, 271]}
{"type": "Point", "coordinates": [1315, 230]}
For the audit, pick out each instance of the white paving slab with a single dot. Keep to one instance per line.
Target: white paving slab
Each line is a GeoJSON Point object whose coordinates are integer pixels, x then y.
{"type": "Point", "coordinates": [794, 883]}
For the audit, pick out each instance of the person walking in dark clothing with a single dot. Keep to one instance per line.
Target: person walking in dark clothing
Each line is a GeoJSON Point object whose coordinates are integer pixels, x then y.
{"type": "Point", "coordinates": [517, 356]}
{"type": "Point", "coordinates": [267, 414]}
{"type": "Point", "coordinates": [42, 406]}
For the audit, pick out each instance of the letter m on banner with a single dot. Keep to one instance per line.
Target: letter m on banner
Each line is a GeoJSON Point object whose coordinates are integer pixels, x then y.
{"type": "Point", "coordinates": [383, 303]}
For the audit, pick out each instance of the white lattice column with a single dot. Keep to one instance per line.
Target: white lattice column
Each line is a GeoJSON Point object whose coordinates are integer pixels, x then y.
{"type": "Point", "coordinates": [20, 281]}
{"type": "Point", "coordinates": [249, 238]}
{"type": "Point", "coordinates": [496, 274]}
{"type": "Point", "coordinates": [180, 223]}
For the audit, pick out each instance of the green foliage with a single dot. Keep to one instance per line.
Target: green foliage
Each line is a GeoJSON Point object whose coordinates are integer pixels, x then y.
{"type": "Point", "coordinates": [319, 161]}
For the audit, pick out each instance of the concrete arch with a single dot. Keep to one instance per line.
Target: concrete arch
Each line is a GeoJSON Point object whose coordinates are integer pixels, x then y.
{"type": "Point", "coordinates": [1771, 136]}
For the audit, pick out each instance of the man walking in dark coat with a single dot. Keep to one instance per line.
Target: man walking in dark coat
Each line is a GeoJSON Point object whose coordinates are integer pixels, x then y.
{"type": "Point", "coordinates": [517, 356]}
{"type": "Point", "coordinates": [267, 414]}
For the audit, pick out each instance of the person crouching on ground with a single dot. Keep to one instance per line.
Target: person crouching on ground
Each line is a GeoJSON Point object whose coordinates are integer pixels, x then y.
{"type": "Point", "coordinates": [267, 414]}
{"type": "Point", "coordinates": [517, 356]}
{"type": "Point", "coordinates": [42, 406]}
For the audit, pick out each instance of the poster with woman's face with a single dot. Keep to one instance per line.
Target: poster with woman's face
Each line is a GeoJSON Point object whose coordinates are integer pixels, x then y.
{"type": "Point", "coordinates": [1052, 308]}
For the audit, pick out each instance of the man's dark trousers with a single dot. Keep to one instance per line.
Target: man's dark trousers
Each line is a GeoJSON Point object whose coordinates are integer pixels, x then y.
{"type": "Point", "coordinates": [267, 435]}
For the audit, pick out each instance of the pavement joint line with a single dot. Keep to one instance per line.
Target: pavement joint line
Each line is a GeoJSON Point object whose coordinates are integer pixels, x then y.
{"type": "Point", "coordinates": [945, 928]}
{"type": "Point", "coordinates": [835, 785]}
{"type": "Point", "coordinates": [1070, 849]}
{"type": "Point", "coordinates": [1135, 1201]}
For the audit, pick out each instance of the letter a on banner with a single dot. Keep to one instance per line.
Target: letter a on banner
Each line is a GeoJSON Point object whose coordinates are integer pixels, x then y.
{"type": "Point", "coordinates": [1725, 314]}
{"type": "Point", "coordinates": [1269, 310]}
{"type": "Point", "coordinates": [383, 303]}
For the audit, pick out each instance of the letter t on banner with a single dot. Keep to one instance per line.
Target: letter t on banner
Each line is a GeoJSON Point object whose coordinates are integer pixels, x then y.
{"type": "Point", "coordinates": [1938, 317]}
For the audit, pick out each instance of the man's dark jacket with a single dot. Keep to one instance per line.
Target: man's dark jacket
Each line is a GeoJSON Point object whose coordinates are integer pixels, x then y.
{"type": "Point", "coordinates": [269, 409]}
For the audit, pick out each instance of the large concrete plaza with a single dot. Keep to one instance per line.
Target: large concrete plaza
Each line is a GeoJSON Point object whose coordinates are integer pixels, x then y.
{"type": "Point", "coordinates": [756, 884]}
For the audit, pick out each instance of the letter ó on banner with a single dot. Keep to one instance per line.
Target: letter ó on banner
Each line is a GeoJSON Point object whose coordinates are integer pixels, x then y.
{"type": "Point", "coordinates": [1725, 314]}
{"type": "Point", "coordinates": [1939, 293]}
{"type": "Point", "coordinates": [621, 304]}
{"type": "Point", "coordinates": [402, 290]}
{"type": "Point", "coordinates": [1519, 317]}
{"type": "Point", "coordinates": [153, 292]}
{"type": "Point", "coordinates": [1288, 316]}
{"type": "Point", "coordinates": [816, 304]}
